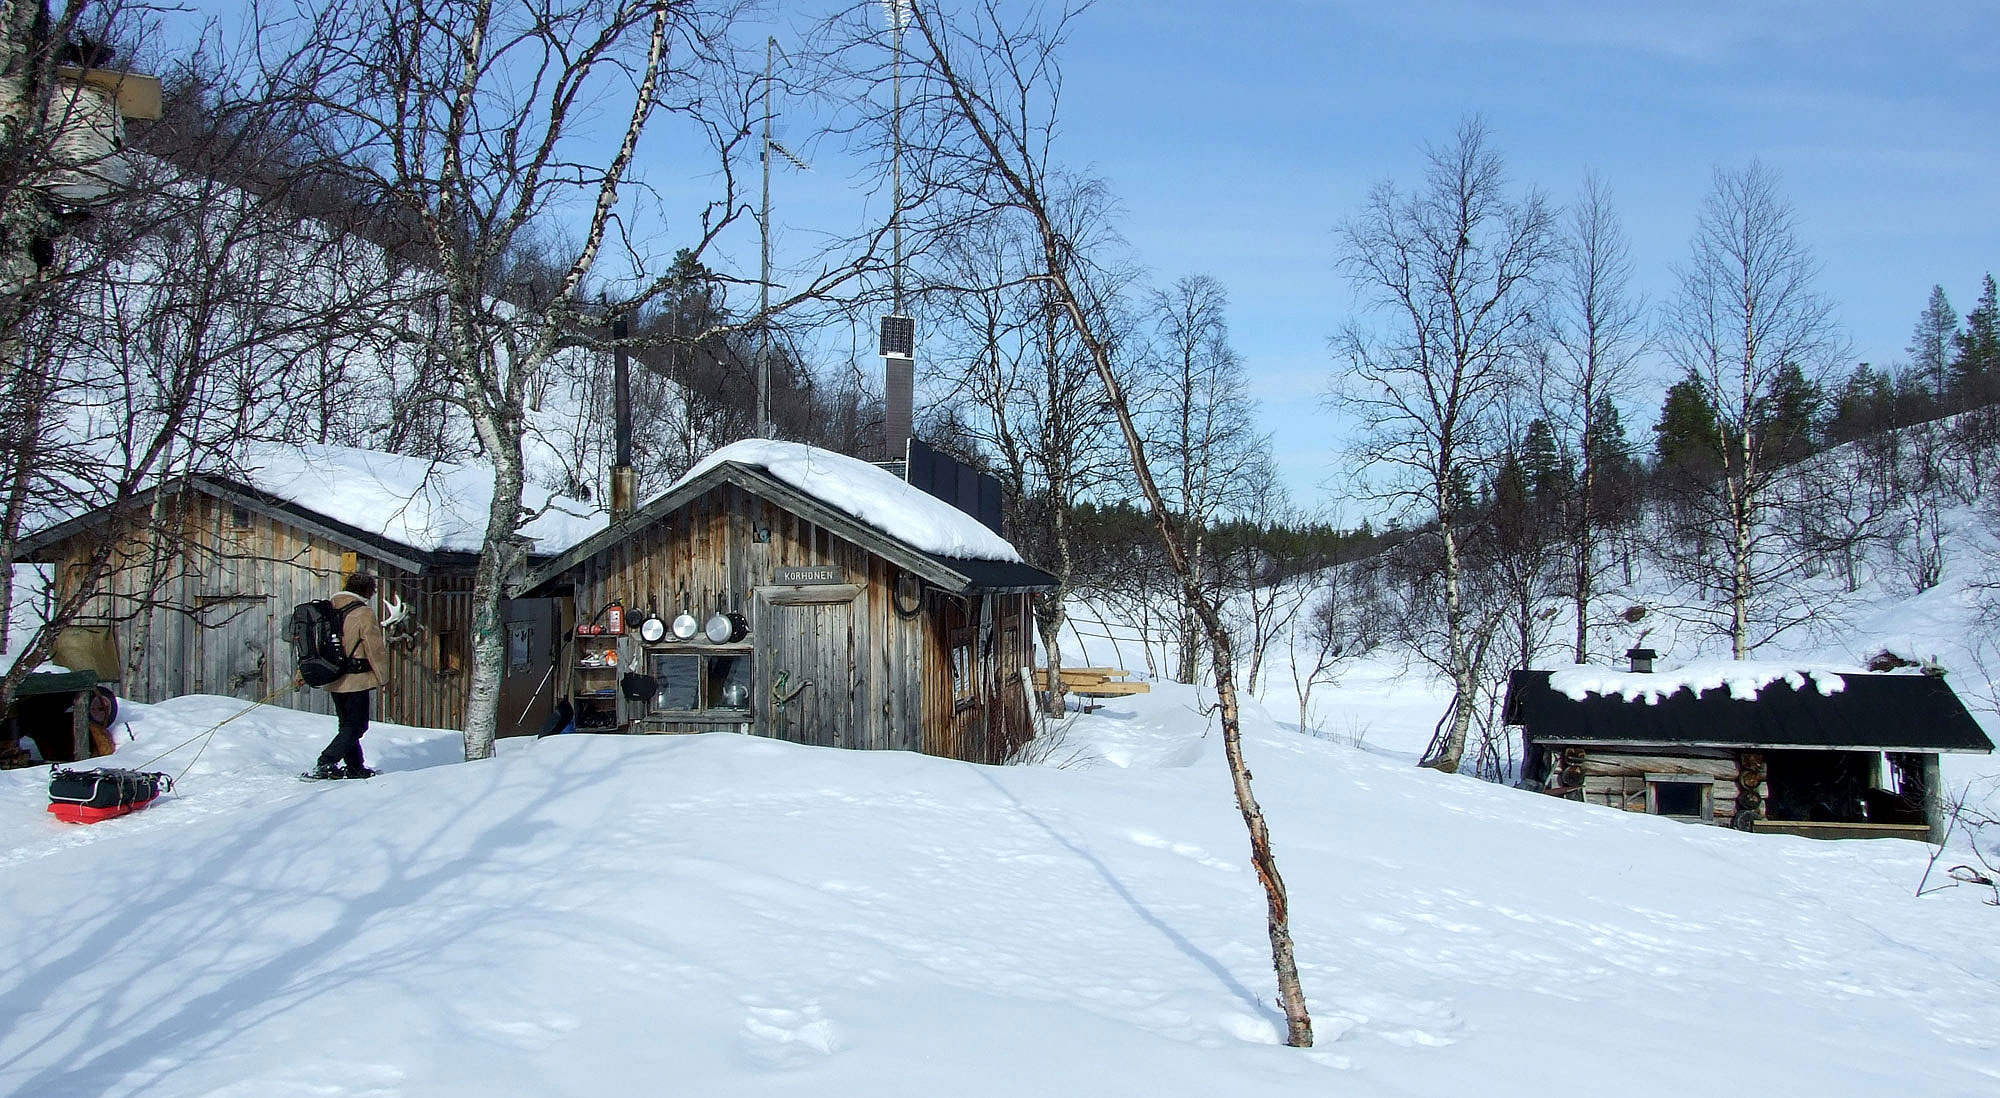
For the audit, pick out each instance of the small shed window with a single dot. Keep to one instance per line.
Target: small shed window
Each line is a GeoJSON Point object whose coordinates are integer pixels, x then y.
{"type": "Point", "coordinates": [964, 668]}
{"type": "Point", "coordinates": [450, 655]}
{"type": "Point", "coordinates": [1679, 795]}
{"type": "Point", "coordinates": [239, 518]}
{"type": "Point", "coordinates": [520, 645]}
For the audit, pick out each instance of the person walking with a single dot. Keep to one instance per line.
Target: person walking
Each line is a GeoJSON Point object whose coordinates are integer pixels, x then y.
{"type": "Point", "coordinates": [361, 636]}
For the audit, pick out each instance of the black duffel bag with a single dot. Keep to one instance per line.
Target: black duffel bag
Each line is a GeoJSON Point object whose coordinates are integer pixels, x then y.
{"type": "Point", "coordinates": [105, 788]}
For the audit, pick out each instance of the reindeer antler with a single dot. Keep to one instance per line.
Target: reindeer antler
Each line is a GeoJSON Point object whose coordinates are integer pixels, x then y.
{"type": "Point", "coordinates": [394, 611]}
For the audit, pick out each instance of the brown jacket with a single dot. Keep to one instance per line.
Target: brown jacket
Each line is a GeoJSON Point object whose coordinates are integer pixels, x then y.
{"type": "Point", "coordinates": [361, 634]}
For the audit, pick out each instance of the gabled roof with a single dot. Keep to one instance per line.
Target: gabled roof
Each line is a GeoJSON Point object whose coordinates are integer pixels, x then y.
{"type": "Point", "coordinates": [304, 518]}
{"type": "Point", "coordinates": [951, 573]}
{"type": "Point", "coordinates": [416, 514]}
{"type": "Point", "coordinates": [1866, 712]}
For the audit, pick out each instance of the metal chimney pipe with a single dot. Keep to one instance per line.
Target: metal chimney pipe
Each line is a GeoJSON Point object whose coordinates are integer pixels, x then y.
{"type": "Point", "coordinates": [899, 415]}
{"type": "Point", "coordinates": [624, 479]}
{"type": "Point", "coordinates": [898, 346]}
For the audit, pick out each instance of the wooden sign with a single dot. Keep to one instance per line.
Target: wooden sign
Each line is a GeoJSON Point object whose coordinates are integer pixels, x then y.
{"type": "Point", "coordinates": [813, 574]}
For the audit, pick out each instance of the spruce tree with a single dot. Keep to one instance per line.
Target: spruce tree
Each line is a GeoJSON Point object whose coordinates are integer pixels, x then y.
{"type": "Point", "coordinates": [1976, 370]}
{"type": "Point", "coordinates": [1931, 342]}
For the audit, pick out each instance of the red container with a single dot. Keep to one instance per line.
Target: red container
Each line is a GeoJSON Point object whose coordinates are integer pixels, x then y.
{"type": "Point", "coordinates": [85, 814]}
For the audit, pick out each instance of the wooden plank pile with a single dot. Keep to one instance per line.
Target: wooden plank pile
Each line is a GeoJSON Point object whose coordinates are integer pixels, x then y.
{"type": "Point", "coordinates": [1093, 682]}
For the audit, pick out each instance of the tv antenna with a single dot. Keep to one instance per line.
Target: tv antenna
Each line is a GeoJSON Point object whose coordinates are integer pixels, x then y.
{"type": "Point", "coordinates": [772, 51]}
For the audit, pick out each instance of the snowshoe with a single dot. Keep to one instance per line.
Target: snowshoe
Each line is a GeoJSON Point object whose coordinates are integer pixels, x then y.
{"type": "Point", "coordinates": [322, 774]}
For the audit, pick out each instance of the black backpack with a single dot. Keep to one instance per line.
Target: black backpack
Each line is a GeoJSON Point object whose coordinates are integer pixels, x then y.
{"type": "Point", "coordinates": [317, 644]}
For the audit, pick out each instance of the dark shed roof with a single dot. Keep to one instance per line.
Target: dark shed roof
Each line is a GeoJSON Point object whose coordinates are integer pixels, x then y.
{"type": "Point", "coordinates": [1874, 712]}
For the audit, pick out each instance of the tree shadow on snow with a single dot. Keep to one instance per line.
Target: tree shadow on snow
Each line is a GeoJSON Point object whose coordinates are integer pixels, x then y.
{"type": "Point", "coordinates": [134, 1017]}
{"type": "Point", "coordinates": [1179, 941]}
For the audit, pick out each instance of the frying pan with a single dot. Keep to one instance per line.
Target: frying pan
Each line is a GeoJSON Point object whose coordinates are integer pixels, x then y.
{"type": "Point", "coordinates": [727, 627]}
{"type": "Point", "coordinates": [685, 626]}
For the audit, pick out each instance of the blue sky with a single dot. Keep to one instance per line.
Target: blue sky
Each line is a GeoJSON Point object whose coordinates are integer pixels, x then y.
{"type": "Point", "coordinates": [1238, 136]}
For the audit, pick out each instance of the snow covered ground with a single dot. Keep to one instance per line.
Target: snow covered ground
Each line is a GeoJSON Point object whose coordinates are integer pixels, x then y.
{"type": "Point", "coordinates": [722, 915]}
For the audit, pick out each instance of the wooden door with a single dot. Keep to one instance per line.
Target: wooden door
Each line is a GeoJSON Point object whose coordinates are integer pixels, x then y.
{"type": "Point", "coordinates": [804, 678]}
{"type": "Point", "coordinates": [528, 685]}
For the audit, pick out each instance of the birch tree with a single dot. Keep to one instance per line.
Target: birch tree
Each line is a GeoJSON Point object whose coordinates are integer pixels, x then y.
{"type": "Point", "coordinates": [1746, 324]}
{"type": "Point", "coordinates": [1029, 389]}
{"type": "Point", "coordinates": [494, 130]}
{"type": "Point", "coordinates": [1211, 462]}
{"type": "Point", "coordinates": [1599, 336]}
{"type": "Point", "coordinates": [987, 92]}
{"type": "Point", "coordinates": [1451, 270]}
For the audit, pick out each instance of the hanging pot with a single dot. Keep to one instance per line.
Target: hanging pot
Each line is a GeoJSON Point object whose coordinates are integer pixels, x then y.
{"type": "Point", "coordinates": [718, 628]}
{"type": "Point", "coordinates": [652, 629]}
{"type": "Point", "coordinates": [685, 627]}
{"type": "Point", "coordinates": [727, 627]}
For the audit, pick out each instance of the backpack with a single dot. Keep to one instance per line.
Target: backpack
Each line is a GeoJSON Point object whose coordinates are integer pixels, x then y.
{"type": "Point", "coordinates": [317, 644]}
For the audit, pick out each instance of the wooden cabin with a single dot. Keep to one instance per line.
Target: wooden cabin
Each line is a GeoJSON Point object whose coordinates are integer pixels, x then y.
{"type": "Point", "coordinates": [206, 571]}
{"type": "Point", "coordinates": [1817, 753]}
{"type": "Point", "coordinates": [868, 613]}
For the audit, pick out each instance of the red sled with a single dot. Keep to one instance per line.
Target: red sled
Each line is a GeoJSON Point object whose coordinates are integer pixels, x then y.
{"type": "Point", "coordinates": [90, 796]}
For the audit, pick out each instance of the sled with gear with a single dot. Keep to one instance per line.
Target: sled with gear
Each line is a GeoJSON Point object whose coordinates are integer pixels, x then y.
{"type": "Point", "coordinates": [92, 796]}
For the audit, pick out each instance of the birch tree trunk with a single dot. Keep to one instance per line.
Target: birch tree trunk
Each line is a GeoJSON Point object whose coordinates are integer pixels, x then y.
{"type": "Point", "coordinates": [984, 109]}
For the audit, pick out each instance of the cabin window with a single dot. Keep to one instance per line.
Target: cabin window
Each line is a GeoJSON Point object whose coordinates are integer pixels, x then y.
{"type": "Point", "coordinates": [964, 668]}
{"type": "Point", "coordinates": [239, 518]}
{"type": "Point", "coordinates": [1673, 795]}
{"type": "Point", "coordinates": [700, 680]}
{"type": "Point", "coordinates": [450, 657]}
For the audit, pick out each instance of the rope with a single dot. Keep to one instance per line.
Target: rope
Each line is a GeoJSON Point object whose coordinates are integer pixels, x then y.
{"type": "Point", "coordinates": [265, 700]}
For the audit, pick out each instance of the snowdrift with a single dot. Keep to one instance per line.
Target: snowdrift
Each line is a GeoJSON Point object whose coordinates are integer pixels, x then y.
{"type": "Point", "coordinates": [720, 915]}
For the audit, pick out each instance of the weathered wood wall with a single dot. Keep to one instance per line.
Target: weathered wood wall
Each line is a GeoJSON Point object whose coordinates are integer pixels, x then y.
{"type": "Point", "coordinates": [997, 721]}
{"type": "Point", "coordinates": [211, 601]}
{"type": "Point", "coordinates": [873, 668]}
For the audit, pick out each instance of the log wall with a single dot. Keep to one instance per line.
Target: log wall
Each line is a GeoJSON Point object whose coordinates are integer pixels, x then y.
{"type": "Point", "coordinates": [1619, 780]}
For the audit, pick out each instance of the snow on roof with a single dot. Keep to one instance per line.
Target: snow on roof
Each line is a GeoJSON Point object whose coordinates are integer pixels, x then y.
{"type": "Point", "coordinates": [1743, 678]}
{"type": "Point", "coordinates": [870, 494]}
{"type": "Point", "coordinates": [428, 505]}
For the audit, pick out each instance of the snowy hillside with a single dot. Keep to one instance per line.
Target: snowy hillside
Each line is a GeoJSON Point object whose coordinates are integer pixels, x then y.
{"type": "Point", "coordinates": [718, 915]}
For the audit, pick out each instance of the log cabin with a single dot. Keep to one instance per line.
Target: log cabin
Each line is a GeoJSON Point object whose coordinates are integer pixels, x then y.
{"type": "Point", "coordinates": [207, 567]}
{"type": "Point", "coordinates": [1842, 753]}
{"type": "Point", "coordinates": [791, 592]}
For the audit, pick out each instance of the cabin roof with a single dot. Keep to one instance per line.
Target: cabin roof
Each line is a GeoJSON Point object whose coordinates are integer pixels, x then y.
{"type": "Point", "coordinates": [416, 514]}
{"type": "Point", "coordinates": [862, 490]}
{"type": "Point", "coordinates": [1865, 711]}
{"type": "Point", "coordinates": [918, 554]}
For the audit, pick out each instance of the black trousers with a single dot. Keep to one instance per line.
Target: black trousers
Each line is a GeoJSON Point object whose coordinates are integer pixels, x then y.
{"type": "Point", "coordinates": [351, 710]}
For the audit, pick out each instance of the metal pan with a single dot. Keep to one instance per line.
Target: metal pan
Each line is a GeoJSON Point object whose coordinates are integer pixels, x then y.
{"type": "Point", "coordinates": [685, 626]}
